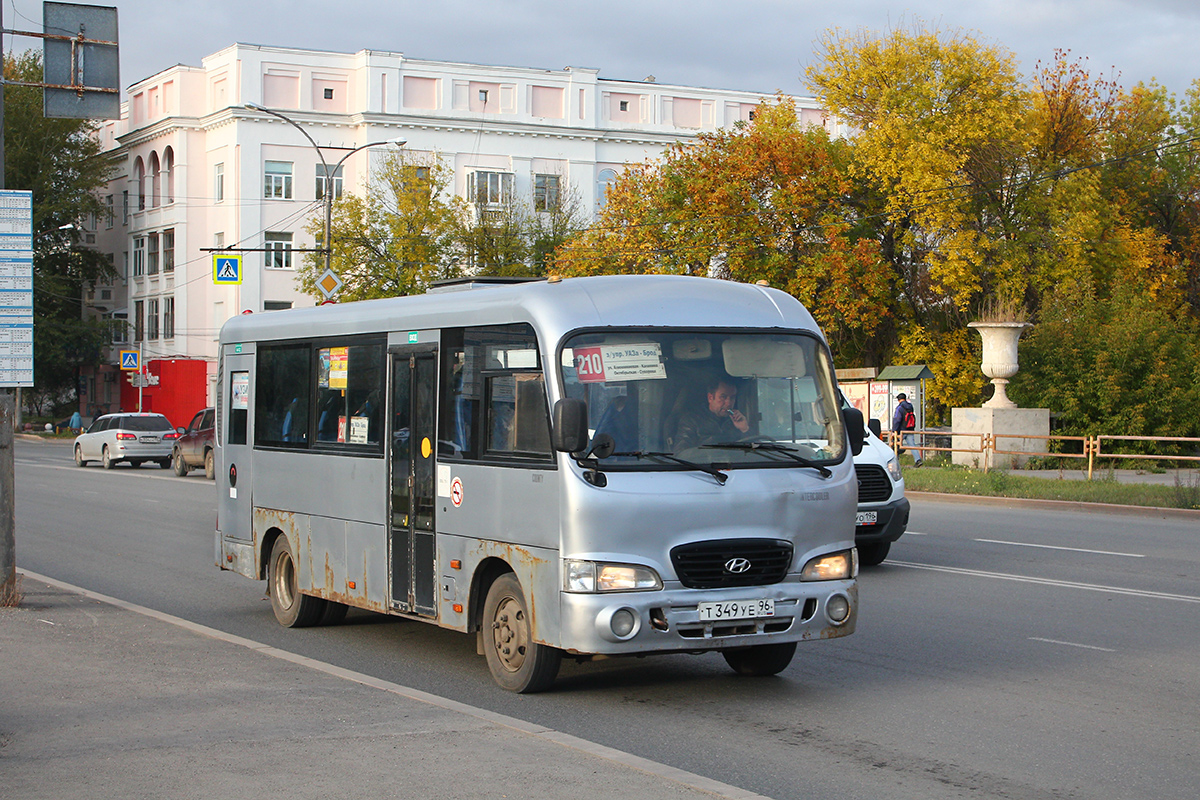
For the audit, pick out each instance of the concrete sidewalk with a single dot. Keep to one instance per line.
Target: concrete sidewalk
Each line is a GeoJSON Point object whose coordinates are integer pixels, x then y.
{"type": "Point", "coordinates": [101, 698]}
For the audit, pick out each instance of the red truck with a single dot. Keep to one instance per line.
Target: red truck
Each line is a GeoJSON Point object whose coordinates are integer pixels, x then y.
{"type": "Point", "coordinates": [195, 446]}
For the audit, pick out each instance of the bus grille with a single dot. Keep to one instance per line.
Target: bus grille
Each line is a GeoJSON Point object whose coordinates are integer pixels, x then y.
{"type": "Point", "coordinates": [874, 486]}
{"type": "Point", "coordinates": [702, 565]}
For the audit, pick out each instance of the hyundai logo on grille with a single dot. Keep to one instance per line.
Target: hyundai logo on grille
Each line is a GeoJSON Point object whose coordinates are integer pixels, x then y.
{"type": "Point", "coordinates": [737, 566]}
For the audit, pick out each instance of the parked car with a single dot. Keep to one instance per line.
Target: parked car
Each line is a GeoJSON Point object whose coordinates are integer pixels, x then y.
{"type": "Point", "coordinates": [194, 448]}
{"type": "Point", "coordinates": [882, 515]}
{"type": "Point", "coordinates": [133, 438]}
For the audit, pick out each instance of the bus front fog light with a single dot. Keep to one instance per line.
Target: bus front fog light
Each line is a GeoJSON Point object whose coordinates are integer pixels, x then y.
{"type": "Point", "coordinates": [837, 609]}
{"type": "Point", "coordinates": [618, 623]}
{"type": "Point", "coordinates": [622, 622]}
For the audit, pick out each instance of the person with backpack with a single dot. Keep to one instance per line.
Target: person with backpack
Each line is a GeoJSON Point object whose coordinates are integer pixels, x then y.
{"type": "Point", "coordinates": [905, 419]}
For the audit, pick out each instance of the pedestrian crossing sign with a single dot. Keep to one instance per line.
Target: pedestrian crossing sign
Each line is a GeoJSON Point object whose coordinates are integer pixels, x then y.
{"type": "Point", "coordinates": [227, 269]}
{"type": "Point", "coordinates": [130, 360]}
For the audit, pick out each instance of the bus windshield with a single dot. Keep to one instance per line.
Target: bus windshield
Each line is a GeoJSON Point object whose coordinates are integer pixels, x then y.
{"type": "Point", "coordinates": [725, 399]}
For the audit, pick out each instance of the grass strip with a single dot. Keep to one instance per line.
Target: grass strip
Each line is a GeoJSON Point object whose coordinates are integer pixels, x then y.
{"type": "Point", "coordinates": [999, 483]}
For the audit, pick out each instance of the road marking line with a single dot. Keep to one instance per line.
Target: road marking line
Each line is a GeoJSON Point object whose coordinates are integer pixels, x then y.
{"type": "Point", "coordinates": [915, 533]}
{"type": "Point", "coordinates": [1072, 644]}
{"type": "Point", "coordinates": [1092, 587]}
{"type": "Point", "coordinates": [1055, 547]}
{"type": "Point", "coordinates": [566, 740]}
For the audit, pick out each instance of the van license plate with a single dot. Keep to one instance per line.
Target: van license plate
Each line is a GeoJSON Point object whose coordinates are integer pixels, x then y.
{"type": "Point", "coordinates": [736, 609]}
{"type": "Point", "coordinates": [866, 517]}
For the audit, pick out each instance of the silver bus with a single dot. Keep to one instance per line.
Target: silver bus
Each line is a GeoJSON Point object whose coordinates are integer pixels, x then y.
{"type": "Point", "coordinates": [575, 468]}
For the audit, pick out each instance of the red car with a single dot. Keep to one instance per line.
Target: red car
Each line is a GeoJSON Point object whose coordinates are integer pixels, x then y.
{"type": "Point", "coordinates": [195, 446]}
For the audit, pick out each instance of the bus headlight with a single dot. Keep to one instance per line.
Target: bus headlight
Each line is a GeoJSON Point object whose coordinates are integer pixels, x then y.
{"type": "Point", "coordinates": [833, 567]}
{"type": "Point", "coordinates": [592, 576]}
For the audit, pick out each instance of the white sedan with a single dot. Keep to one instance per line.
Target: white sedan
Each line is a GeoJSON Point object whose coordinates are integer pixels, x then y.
{"type": "Point", "coordinates": [134, 438]}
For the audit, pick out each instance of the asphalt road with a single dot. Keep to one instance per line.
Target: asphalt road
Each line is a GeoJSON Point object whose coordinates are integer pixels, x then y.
{"type": "Point", "coordinates": [1000, 652]}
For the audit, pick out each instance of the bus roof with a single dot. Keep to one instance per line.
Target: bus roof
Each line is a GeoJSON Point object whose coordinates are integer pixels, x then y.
{"type": "Point", "coordinates": [553, 307]}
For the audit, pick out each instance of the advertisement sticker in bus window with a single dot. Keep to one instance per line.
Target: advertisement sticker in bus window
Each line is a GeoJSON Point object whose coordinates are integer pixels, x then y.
{"type": "Point", "coordinates": [358, 429]}
{"type": "Point", "coordinates": [240, 395]}
{"type": "Point", "coordinates": [339, 366]}
{"type": "Point", "coordinates": [621, 362]}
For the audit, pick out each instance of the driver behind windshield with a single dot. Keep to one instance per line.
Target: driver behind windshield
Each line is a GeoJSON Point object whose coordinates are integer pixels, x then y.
{"type": "Point", "coordinates": [715, 421]}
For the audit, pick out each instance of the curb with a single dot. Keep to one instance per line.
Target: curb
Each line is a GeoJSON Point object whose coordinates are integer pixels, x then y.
{"type": "Point", "coordinates": [1060, 505]}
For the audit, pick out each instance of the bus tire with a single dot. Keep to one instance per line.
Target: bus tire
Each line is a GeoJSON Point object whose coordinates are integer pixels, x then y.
{"type": "Point", "coordinates": [872, 555]}
{"type": "Point", "coordinates": [292, 609]}
{"type": "Point", "coordinates": [516, 662]}
{"type": "Point", "coordinates": [761, 659]}
{"type": "Point", "coordinates": [334, 613]}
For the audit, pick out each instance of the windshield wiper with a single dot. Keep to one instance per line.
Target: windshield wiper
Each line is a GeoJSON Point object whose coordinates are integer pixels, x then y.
{"type": "Point", "coordinates": [773, 447]}
{"type": "Point", "coordinates": [639, 454]}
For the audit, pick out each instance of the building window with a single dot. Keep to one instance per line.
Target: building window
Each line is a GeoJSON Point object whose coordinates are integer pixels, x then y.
{"type": "Point", "coordinates": [329, 94]}
{"type": "Point", "coordinates": [545, 192]}
{"type": "Point", "coordinates": [336, 180]}
{"type": "Point", "coordinates": [152, 319]}
{"type": "Point", "coordinates": [277, 182]}
{"type": "Point", "coordinates": [276, 305]}
{"type": "Point", "coordinates": [139, 320]}
{"type": "Point", "coordinates": [279, 250]}
{"type": "Point", "coordinates": [168, 318]}
{"type": "Point", "coordinates": [108, 209]}
{"type": "Point", "coordinates": [624, 105]}
{"type": "Point", "coordinates": [168, 250]}
{"type": "Point", "coordinates": [219, 183]}
{"type": "Point", "coordinates": [120, 328]}
{"type": "Point", "coordinates": [152, 254]}
{"type": "Point", "coordinates": [125, 207]}
{"type": "Point", "coordinates": [219, 239]}
{"type": "Point", "coordinates": [604, 182]}
{"type": "Point", "coordinates": [487, 188]}
{"type": "Point", "coordinates": [139, 256]}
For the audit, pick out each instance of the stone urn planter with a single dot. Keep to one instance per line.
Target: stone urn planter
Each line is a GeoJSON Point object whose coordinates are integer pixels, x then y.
{"type": "Point", "coordinates": [1000, 356]}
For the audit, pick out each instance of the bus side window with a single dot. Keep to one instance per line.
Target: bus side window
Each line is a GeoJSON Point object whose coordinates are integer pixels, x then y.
{"type": "Point", "coordinates": [494, 398]}
{"type": "Point", "coordinates": [281, 405]}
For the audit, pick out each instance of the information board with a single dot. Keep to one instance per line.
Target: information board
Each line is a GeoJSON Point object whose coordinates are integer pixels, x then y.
{"type": "Point", "coordinates": [16, 289]}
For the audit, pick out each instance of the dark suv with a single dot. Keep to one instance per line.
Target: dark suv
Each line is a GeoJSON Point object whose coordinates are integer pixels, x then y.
{"type": "Point", "coordinates": [195, 445]}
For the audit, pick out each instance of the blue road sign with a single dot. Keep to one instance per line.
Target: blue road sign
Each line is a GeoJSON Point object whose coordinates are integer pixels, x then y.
{"type": "Point", "coordinates": [227, 269]}
{"type": "Point", "coordinates": [130, 360]}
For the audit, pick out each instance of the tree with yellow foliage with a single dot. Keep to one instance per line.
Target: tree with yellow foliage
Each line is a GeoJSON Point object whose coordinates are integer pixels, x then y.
{"type": "Point", "coordinates": [764, 201]}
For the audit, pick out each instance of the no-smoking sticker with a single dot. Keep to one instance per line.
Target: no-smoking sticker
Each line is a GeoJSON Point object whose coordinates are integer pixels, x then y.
{"type": "Point", "coordinates": [456, 492]}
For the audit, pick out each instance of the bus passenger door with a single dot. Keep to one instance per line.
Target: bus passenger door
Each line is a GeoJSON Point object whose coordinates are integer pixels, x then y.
{"type": "Point", "coordinates": [413, 406]}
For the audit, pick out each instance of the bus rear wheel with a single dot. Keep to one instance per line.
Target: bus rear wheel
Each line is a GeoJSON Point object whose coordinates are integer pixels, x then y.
{"type": "Point", "coordinates": [516, 662]}
{"type": "Point", "coordinates": [292, 609]}
{"type": "Point", "coordinates": [761, 659]}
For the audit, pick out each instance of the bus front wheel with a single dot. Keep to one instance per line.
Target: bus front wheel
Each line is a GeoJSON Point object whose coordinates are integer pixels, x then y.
{"type": "Point", "coordinates": [516, 662]}
{"type": "Point", "coordinates": [292, 609]}
{"type": "Point", "coordinates": [761, 659]}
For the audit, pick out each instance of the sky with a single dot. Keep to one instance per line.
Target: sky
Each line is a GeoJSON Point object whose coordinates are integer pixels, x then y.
{"type": "Point", "coordinates": [752, 45]}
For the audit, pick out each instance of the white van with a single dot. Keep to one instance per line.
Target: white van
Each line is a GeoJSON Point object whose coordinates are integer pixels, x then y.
{"type": "Point", "coordinates": [882, 515]}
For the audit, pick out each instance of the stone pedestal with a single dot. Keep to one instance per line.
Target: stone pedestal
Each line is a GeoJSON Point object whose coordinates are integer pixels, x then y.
{"type": "Point", "coordinates": [1006, 423]}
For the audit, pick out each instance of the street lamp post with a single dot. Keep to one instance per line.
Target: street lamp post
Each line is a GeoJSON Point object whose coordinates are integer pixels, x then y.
{"type": "Point", "coordinates": [327, 244]}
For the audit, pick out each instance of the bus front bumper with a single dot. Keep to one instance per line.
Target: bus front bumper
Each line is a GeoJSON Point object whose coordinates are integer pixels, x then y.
{"type": "Point", "coordinates": [669, 621]}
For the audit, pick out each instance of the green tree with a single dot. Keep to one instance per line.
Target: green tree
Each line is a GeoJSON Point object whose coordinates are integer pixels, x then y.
{"type": "Point", "coordinates": [398, 239]}
{"type": "Point", "coordinates": [60, 161]}
{"type": "Point", "coordinates": [1122, 365]}
{"type": "Point", "coordinates": [758, 202]}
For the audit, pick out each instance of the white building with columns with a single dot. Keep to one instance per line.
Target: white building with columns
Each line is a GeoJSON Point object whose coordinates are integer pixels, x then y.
{"type": "Point", "coordinates": [197, 169]}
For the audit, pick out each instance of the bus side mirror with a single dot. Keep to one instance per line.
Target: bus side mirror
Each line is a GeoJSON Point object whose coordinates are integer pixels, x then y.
{"type": "Point", "coordinates": [570, 430]}
{"type": "Point", "coordinates": [875, 427]}
{"type": "Point", "coordinates": [854, 429]}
